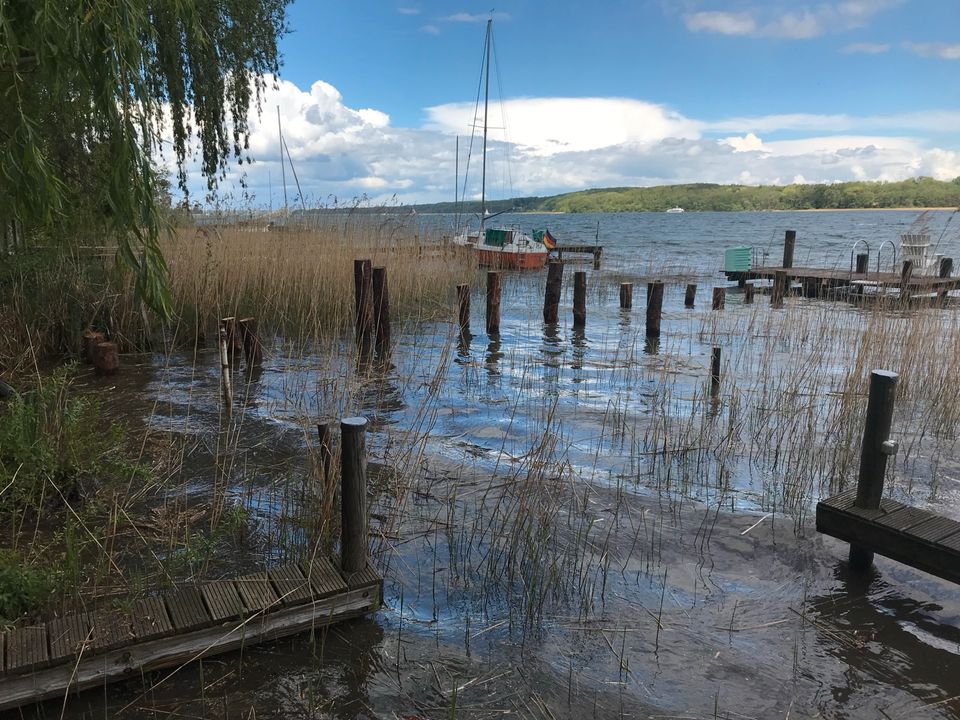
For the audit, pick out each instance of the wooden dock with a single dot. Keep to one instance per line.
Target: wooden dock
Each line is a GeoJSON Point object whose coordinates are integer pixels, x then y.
{"type": "Point", "coordinates": [83, 650]}
{"type": "Point", "coordinates": [818, 282]}
{"type": "Point", "coordinates": [594, 251]}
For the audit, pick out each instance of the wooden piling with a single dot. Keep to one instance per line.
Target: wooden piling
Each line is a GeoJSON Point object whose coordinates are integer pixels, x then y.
{"type": "Point", "coordinates": [789, 240]}
{"type": "Point", "coordinates": [381, 307]}
{"type": "Point", "coordinates": [353, 494]}
{"type": "Point", "coordinates": [252, 348]}
{"type": "Point", "coordinates": [106, 358]}
{"type": "Point", "coordinates": [225, 371]}
{"type": "Point", "coordinates": [493, 302]}
{"type": "Point", "coordinates": [325, 444]}
{"type": "Point", "coordinates": [463, 308]}
{"type": "Point", "coordinates": [946, 267]}
{"type": "Point", "coordinates": [906, 272]}
{"type": "Point", "coordinates": [363, 300]}
{"type": "Point", "coordinates": [874, 453]}
{"type": "Point", "coordinates": [551, 295]}
{"type": "Point", "coordinates": [719, 298]}
{"type": "Point", "coordinates": [748, 294]}
{"type": "Point", "coordinates": [690, 296]}
{"type": "Point", "coordinates": [778, 289]}
{"type": "Point", "coordinates": [714, 370]}
{"type": "Point", "coordinates": [626, 296]}
{"type": "Point", "coordinates": [92, 338]}
{"type": "Point", "coordinates": [580, 299]}
{"type": "Point", "coordinates": [233, 338]}
{"type": "Point", "coordinates": [654, 308]}
{"type": "Point", "coordinates": [863, 263]}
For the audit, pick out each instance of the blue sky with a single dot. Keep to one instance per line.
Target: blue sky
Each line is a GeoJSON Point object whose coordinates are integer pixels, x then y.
{"type": "Point", "coordinates": [609, 93]}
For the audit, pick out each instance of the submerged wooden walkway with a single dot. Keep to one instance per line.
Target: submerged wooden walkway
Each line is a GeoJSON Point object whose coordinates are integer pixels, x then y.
{"type": "Point", "coordinates": [88, 649]}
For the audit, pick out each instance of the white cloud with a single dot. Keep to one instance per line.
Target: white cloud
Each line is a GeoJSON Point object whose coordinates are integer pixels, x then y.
{"type": "Point", "coordinates": [943, 51]}
{"type": "Point", "coordinates": [927, 121]}
{"type": "Point", "coordinates": [866, 48]}
{"type": "Point", "coordinates": [564, 144]}
{"type": "Point", "coordinates": [783, 20]}
{"type": "Point", "coordinates": [464, 17]}
{"type": "Point", "coordinates": [408, 10]}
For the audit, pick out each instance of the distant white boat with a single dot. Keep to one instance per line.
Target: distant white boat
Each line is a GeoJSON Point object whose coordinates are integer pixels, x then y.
{"type": "Point", "coordinates": [675, 210]}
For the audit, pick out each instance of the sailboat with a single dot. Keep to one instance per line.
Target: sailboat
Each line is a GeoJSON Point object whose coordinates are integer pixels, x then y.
{"type": "Point", "coordinates": [499, 247]}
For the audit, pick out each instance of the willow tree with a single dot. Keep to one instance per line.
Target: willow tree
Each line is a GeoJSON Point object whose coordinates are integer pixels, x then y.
{"type": "Point", "coordinates": [90, 88]}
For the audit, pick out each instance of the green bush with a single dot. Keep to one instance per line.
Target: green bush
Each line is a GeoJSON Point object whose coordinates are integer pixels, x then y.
{"type": "Point", "coordinates": [23, 587]}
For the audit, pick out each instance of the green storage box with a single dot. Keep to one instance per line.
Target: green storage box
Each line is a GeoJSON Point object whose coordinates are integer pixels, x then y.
{"type": "Point", "coordinates": [737, 259]}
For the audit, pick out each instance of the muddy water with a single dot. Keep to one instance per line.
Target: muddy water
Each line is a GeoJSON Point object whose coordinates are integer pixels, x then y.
{"type": "Point", "coordinates": [542, 557]}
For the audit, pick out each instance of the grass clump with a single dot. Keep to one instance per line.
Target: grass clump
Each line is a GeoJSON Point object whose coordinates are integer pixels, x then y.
{"type": "Point", "coordinates": [23, 587]}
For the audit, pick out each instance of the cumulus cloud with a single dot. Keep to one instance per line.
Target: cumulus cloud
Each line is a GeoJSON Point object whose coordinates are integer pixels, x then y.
{"type": "Point", "coordinates": [561, 144]}
{"type": "Point", "coordinates": [944, 51]}
{"type": "Point", "coordinates": [866, 48]}
{"type": "Point", "coordinates": [778, 19]}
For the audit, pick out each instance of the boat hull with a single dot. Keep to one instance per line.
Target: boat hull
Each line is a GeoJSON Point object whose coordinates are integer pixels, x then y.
{"type": "Point", "coordinates": [500, 260]}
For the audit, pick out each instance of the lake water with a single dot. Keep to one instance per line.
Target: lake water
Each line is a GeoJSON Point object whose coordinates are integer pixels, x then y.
{"type": "Point", "coordinates": [578, 528]}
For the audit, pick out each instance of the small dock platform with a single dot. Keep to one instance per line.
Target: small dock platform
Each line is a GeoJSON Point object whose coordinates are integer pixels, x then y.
{"type": "Point", "coordinates": [819, 282]}
{"type": "Point", "coordinates": [594, 251]}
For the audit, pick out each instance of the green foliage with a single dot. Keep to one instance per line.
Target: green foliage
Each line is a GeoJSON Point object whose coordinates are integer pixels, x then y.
{"type": "Point", "coordinates": [917, 192]}
{"type": "Point", "coordinates": [50, 443]}
{"type": "Point", "coordinates": [23, 587]}
{"type": "Point", "coordinates": [87, 87]}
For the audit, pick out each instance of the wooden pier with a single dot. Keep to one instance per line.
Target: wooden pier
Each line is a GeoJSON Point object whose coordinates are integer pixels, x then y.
{"type": "Point", "coordinates": [820, 283]}
{"type": "Point", "coordinates": [89, 649]}
{"type": "Point", "coordinates": [594, 251]}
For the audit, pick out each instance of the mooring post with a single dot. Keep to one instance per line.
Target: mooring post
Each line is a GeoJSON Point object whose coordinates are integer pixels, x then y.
{"type": "Point", "coordinates": [748, 294]}
{"type": "Point", "coordinates": [626, 296]}
{"type": "Point", "coordinates": [493, 302]}
{"type": "Point", "coordinates": [551, 295]}
{"type": "Point", "coordinates": [863, 262]}
{"type": "Point", "coordinates": [654, 308]}
{"type": "Point", "coordinates": [325, 444]}
{"type": "Point", "coordinates": [106, 358]}
{"type": "Point", "coordinates": [353, 494]}
{"type": "Point", "coordinates": [789, 240]}
{"type": "Point", "coordinates": [463, 308]}
{"type": "Point", "coordinates": [778, 289]}
{"type": "Point", "coordinates": [579, 299]}
{"type": "Point", "coordinates": [876, 448]}
{"type": "Point", "coordinates": [225, 371]}
{"type": "Point", "coordinates": [92, 338]}
{"type": "Point", "coordinates": [690, 296]}
{"type": "Point", "coordinates": [714, 370]}
{"type": "Point", "coordinates": [252, 348]}
{"type": "Point", "coordinates": [597, 253]}
{"type": "Point", "coordinates": [234, 340]}
{"type": "Point", "coordinates": [363, 300]}
{"type": "Point", "coordinates": [381, 307]}
{"type": "Point", "coordinates": [719, 298]}
{"type": "Point", "coordinates": [946, 267]}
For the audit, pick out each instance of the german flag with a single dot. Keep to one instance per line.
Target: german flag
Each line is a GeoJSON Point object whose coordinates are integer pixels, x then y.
{"type": "Point", "coordinates": [549, 241]}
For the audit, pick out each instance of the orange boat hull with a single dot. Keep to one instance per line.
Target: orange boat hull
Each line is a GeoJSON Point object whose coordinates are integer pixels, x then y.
{"type": "Point", "coordinates": [511, 260]}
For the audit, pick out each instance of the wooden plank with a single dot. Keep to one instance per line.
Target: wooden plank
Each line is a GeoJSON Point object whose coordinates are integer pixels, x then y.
{"type": "Point", "coordinates": [256, 592]}
{"type": "Point", "coordinates": [887, 506]}
{"type": "Point", "coordinates": [186, 609]}
{"type": "Point", "coordinates": [952, 542]}
{"type": "Point", "coordinates": [69, 635]}
{"type": "Point", "coordinates": [323, 577]}
{"type": "Point", "coordinates": [149, 619]}
{"type": "Point", "coordinates": [27, 648]}
{"type": "Point", "coordinates": [111, 629]}
{"type": "Point", "coordinates": [841, 501]}
{"type": "Point", "coordinates": [934, 529]}
{"type": "Point", "coordinates": [222, 600]}
{"type": "Point", "coordinates": [179, 649]}
{"type": "Point", "coordinates": [291, 585]}
{"type": "Point", "coordinates": [904, 518]}
{"type": "Point", "coordinates": [365, 578]}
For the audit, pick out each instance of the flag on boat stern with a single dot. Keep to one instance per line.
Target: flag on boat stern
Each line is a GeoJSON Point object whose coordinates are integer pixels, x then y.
{"type": "Point", "coordinates": [549, 240]}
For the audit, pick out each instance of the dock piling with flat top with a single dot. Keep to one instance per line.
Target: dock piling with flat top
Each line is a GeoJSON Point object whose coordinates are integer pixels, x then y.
{"type": "Point", "coordinates": [748, 293]}
{"type": "Point", "coordinates": [493, 302]}
{"type": "Point", "coordinates": [654, 308]}
{"type": "Point", "coordinates": [363, 301]}
{"type": "Point", "coordinates": [789, 240]}
{"type": "Point", "coordinates": [551, 294]}
{"type": "Point", "coordinates": [626, 296]}
{"type": "Point", "coordinates": [719, 298]}
{"type": "Point", "coordinates": [381, 307]}
{"type": "Point", "coordinates": [778, 289]}
{"type": "Point", "coordinates": [579, 299]}
{"type": "Point", "coordinates": [690, 296]}
{"type": "Point", "coordinates": [353, 494]}
{"type": "Point", "coordinates": [463, 308]}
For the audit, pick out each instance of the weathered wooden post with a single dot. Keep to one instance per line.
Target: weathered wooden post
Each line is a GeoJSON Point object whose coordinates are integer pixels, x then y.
{"type": "Point", "coordinates": [579, 299]}
{"type": "Point", "coordinates": [626, 296]}
{"type": "Point", "coordinates": [353, 494]}
{"type": "Point", "coordinates": [106, 358]}
{"type": "Point", "coordinates": [690, 296]}
{"type": "Point", "coordinates": [597, 252]}
{"type": "Point", "coordinates": [946, 267]}
{"type": "Point", "coordinates": [778, 289]}
{"type": "Point", "coordinates": [363, 300]}
{"type": "Point", "coordinates": [92, 338]}
{"type": "Point", "coordinates": [719, 298]}
{"type": "Point", "coordinates": [654, 308]}
{"type": "Point", "coordinates": [252, 348]}
{"type": "Point", "coordinates": [906, 272]}
{"type": "Point", "coordinates": [325, 443]}
{"type": "Point", "coordinates": [874, 453]}
{"type": "Point", "coordinates": [225, 371]}
{"type": "Point", "coordinates": [234, 340]}
{"type": "Point", "coordinates": [551, 295]}
{"type": "Point", "coordinates": [789, 240]}
{"type": "Point", "coordinates": [863, 262]}
{"type": "Point", "coordinates": [463, 308]}
{"type": "Point", "coordinates": [381, 307]}
{"type": "Point", "coordinates": [714, 370]}
{"type": "Point", "coordinates": [493, 302]}
{"type": "Point", "coordinates": [748, 294]}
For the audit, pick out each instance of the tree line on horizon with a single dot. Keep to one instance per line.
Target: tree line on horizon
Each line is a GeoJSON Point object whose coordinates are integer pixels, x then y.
{"type": "Point", "coordinates": [918, 192]}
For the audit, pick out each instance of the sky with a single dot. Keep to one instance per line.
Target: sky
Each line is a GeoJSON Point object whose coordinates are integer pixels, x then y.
{"type": "Point", "coordinates": [373, 96]}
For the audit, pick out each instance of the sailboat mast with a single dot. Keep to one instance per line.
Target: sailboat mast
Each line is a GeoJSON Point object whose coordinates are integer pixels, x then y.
{"type": "Point", "coordinates": [486, 103]}
{"type": "Point", "coordinates": [283, 169]}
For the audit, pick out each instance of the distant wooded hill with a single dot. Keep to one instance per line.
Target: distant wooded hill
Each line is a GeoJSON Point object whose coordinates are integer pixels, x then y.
{"type": "Point", "coordinates": [915, 193]}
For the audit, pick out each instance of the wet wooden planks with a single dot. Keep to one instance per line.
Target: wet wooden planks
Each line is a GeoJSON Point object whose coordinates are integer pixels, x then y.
{"type": "Point", "coordinates": [915, 537]}
{"type": "Point", "coordinates": [834, 278]}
